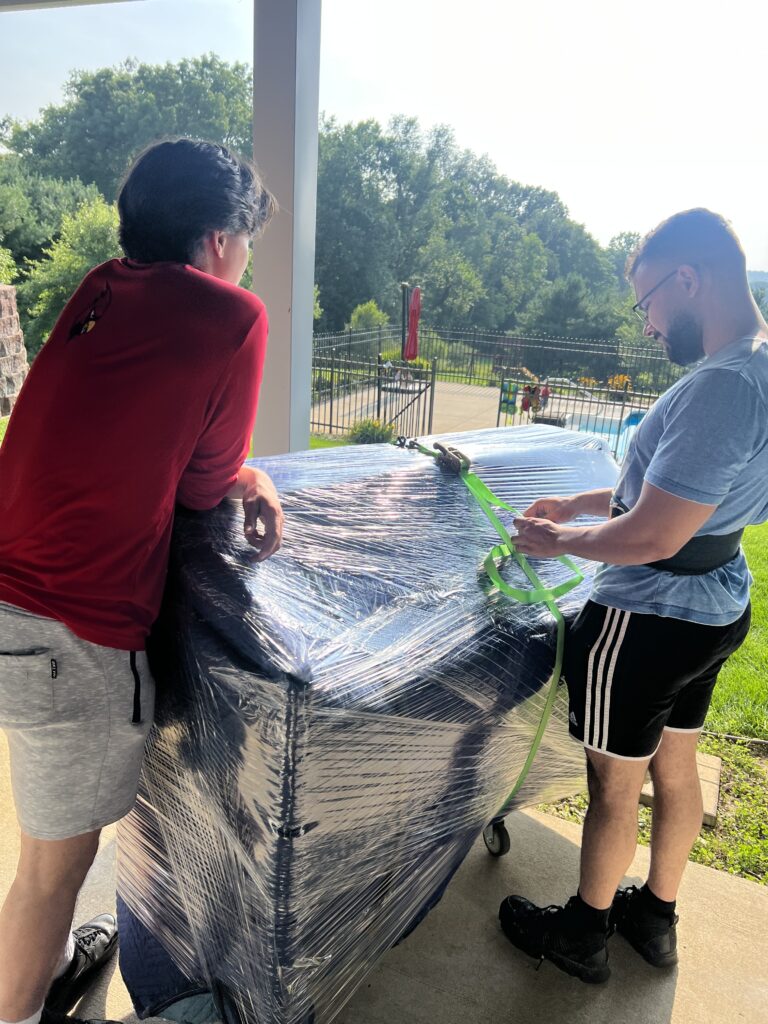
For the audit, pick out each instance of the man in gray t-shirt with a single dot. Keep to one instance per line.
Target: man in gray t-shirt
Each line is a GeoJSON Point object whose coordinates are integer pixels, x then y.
{"type": "Point", "coordinates": [670, 602]}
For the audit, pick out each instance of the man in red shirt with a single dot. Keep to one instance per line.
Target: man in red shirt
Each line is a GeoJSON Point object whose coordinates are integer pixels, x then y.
{"type": "Point", "coordinates": [144, 395]}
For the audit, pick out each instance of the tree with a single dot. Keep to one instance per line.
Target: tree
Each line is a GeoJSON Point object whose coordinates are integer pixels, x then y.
{"type": "Point", "coordinates": [394, 204]}
{"type": "Point", "coordinates": [366, 317]}
{"type": "Point", "coordinates": [317, 309]}
{"type": "Point", "coordinates": [110, 114]}
{"type": "Point", "coordinates": [760, 295]}
{"type": "Point", "coordinates": [620, 248]}
{"type": "Point", "coordinates": [88, 237]}
{"type": "Point", "coordinates": [513, 272]}
{"type": "Point", "coordinates": [452, 286]}
{"type": "Point", "coordinates": [32, 207]}
{"type": "Point", "coordinates": [356, 249]}
{"type": "Point", "coordinates": [572, 250]}
{"type": "Point", "coordinates": [565, 308]}
{"type": "Point", "coordinates": [7, 267]}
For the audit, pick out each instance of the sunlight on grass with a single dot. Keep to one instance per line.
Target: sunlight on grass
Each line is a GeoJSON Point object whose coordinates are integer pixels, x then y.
{"type": "Point", "coordinates": [738, 843]}
{"type": "Point", "coordinates": [740, 701]}
{"type": "Point", "coordinates": [327, 442]}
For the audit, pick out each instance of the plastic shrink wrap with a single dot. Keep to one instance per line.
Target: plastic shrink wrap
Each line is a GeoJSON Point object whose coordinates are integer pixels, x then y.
{"type": "Point", "coordinates": [338, 724]}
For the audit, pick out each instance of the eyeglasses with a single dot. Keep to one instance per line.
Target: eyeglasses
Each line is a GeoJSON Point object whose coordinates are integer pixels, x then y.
{"type": "Point", "coordinates": [638, 310]}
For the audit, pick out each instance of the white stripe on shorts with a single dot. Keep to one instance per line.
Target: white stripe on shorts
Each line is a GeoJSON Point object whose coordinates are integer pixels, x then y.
{"type": "Point", "coordinates": [607, 647]}
{"type": "Point", "coordinates": [609, 682]}
{"type": "Point", "coordinates": [590, 668]}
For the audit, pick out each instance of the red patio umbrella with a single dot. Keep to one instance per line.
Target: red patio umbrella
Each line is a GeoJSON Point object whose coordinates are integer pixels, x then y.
{"type": "Point", "coordinates": [414, 311]}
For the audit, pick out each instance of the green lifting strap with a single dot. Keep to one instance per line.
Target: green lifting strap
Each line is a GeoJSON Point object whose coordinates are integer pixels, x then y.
{"type": "Point", "coordinates": [538, 594]}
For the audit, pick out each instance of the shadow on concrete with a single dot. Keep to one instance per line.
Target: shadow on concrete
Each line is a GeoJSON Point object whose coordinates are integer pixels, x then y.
{"type": "Point", "coordinates": [458, 967]}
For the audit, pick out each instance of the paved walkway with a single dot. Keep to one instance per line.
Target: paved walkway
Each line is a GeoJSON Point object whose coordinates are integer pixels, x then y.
{"type": "Point", "coordinates": [457, 968]}
{"type": "Point", "coordinates": [464, 407]}
{"type": "Point", "coordinates": [457, 407]}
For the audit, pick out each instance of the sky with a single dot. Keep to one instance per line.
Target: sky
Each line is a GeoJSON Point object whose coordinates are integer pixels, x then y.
{"type": "Point", "coordinates": [628, 111]}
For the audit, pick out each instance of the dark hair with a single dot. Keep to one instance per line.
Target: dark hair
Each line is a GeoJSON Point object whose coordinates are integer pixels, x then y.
{"type": "Point", "coordinates": [178, 190]}
{"type": "Point", "coordinates": [697, 237]}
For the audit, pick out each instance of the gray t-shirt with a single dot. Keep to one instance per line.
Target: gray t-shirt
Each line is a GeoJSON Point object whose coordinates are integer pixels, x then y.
{"type": "Point", "coordinates": [705, 440]}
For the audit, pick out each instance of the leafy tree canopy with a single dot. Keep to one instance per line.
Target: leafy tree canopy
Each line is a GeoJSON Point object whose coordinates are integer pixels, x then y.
{"type": "Point", "coordinates": [395, 203]}
{"type": "Point", "coordinates": [564, 307]}
{"type": "Point", "coordinates": [401, 204]}
{"type": "Point", "coordinates": [109, 115]}
{"type": "Point", "coordinates": [760, 295]}
{"type": "Point", "coordinates": [620, 248]}
{"type": "Point", "coordinates": [32, 207]}
{"type": "Point", "coordinates": [88, 237]}
{"type": "Point", "coordinates": [7, 267]}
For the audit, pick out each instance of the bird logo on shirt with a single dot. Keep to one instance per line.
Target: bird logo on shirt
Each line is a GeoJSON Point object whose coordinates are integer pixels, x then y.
{"type": "Point", "coordinates": [86, 322]}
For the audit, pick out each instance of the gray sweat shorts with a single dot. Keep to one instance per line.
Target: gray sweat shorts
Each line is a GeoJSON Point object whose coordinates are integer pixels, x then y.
{"type": "Point", "coordinates": [76, 716]}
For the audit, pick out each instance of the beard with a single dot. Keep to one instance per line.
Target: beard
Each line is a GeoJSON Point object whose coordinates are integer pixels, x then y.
{"type": "Point", "coordinates": [684, 340]}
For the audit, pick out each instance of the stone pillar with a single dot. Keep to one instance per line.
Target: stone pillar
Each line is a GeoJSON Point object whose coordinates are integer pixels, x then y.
{"type": "Point", "coordinates": [13, 354]}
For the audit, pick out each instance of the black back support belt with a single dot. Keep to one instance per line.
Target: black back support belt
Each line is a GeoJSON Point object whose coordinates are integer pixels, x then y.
{"type": "Point", "coordinates": [700, 555]}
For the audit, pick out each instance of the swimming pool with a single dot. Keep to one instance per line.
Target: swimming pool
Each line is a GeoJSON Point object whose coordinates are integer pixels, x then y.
{"type": "Point", "coordinates": [617, 433]}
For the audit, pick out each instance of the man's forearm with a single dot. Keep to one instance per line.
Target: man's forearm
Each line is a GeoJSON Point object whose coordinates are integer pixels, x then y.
{"type": "Point", "coordinates": [246, 477]}
{"type": "Point", "coordinates": [617, 542]}
{"type": "Point", "coordinates": [656, 527]}
{"type": "Point", "coordinates": [593, 503]}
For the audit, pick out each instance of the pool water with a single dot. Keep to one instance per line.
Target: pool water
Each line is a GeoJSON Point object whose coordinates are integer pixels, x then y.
{"type": "Point", "coordinates": [617, 434]}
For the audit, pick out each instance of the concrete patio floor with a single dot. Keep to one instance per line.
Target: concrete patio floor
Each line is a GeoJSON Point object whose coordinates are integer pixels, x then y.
{"type": "Point", "coordinates": [457, 968]}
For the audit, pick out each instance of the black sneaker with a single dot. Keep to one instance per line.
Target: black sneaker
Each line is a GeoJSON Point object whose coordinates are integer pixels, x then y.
{"type": "Point", "coordinates": [654, 936]}
{"type": "Point", "coordinates": [51, 1017]}
{"type": "Point", "coordinates": [95, 945]}
{"type": "Point", "coordinates": [550, 933]}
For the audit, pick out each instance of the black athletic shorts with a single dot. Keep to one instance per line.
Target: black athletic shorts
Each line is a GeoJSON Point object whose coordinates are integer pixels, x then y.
{"type": "Point", "coordinates": [630, 676]}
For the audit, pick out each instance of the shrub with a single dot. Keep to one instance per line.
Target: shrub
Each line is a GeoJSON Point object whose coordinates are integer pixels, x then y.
{"type": "Point", "coordinates": [645, 381]}
{"type": "Point", "coordinates": [366, 317]}
{"type": "Point", "coordinates": [619, 384]}
{"type": "Point", "coordinates": [371, 432]}
{"type": "Point", "coordinates": [392, 355]}
{"type": "Point", "coordinates": [620, 381]}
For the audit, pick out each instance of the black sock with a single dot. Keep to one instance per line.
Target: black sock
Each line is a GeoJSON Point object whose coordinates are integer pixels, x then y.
{"type": "Point", "coordinates": [588, 917]}
{"type": "Point", "coordinates": [652, 903]}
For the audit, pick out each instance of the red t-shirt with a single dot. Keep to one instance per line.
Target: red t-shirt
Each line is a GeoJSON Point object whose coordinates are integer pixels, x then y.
{"type": "Point", "coordinates": [144, 394]}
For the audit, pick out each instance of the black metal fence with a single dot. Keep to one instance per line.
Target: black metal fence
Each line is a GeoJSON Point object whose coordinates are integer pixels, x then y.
{"type": "Point", "coordinates": [588, 384]}
{"type": "Point", "coordinates": [612, 413]}
{"type": "Point", "coordinates": [346, 391]}
{"type": "Point", "coordinates": [483, 356]}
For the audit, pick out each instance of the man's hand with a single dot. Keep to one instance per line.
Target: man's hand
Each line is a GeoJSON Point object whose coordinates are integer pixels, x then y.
{"type": "Point", "coordinates": [556, 510]}
{"type": "Point", "coordinates": [540, 538]}
{"type": "Point", "coordinates": [563, 510]}
{"type": "Point", "coordinates": [656, 527]}
{"type": "Point", "coordinates": [261, 504]}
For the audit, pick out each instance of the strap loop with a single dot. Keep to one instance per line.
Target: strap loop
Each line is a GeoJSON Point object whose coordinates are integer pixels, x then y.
{"type": "Point", "coordinates": [458, 463]}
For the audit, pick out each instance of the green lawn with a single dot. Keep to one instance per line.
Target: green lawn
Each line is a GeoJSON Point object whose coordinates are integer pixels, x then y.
{"type": "Point", "coordinates": [326, 442]}
{"type": "Point", "coordinates": [3, 425]}
{"type": "Point", "coordinates": [740, 702]}
{"type": "Point", "coordinates": [739, 841]}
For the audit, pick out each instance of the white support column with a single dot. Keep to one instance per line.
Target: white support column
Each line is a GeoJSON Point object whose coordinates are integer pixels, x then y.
{"type": "Point", "coordinates": [286, 73]}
